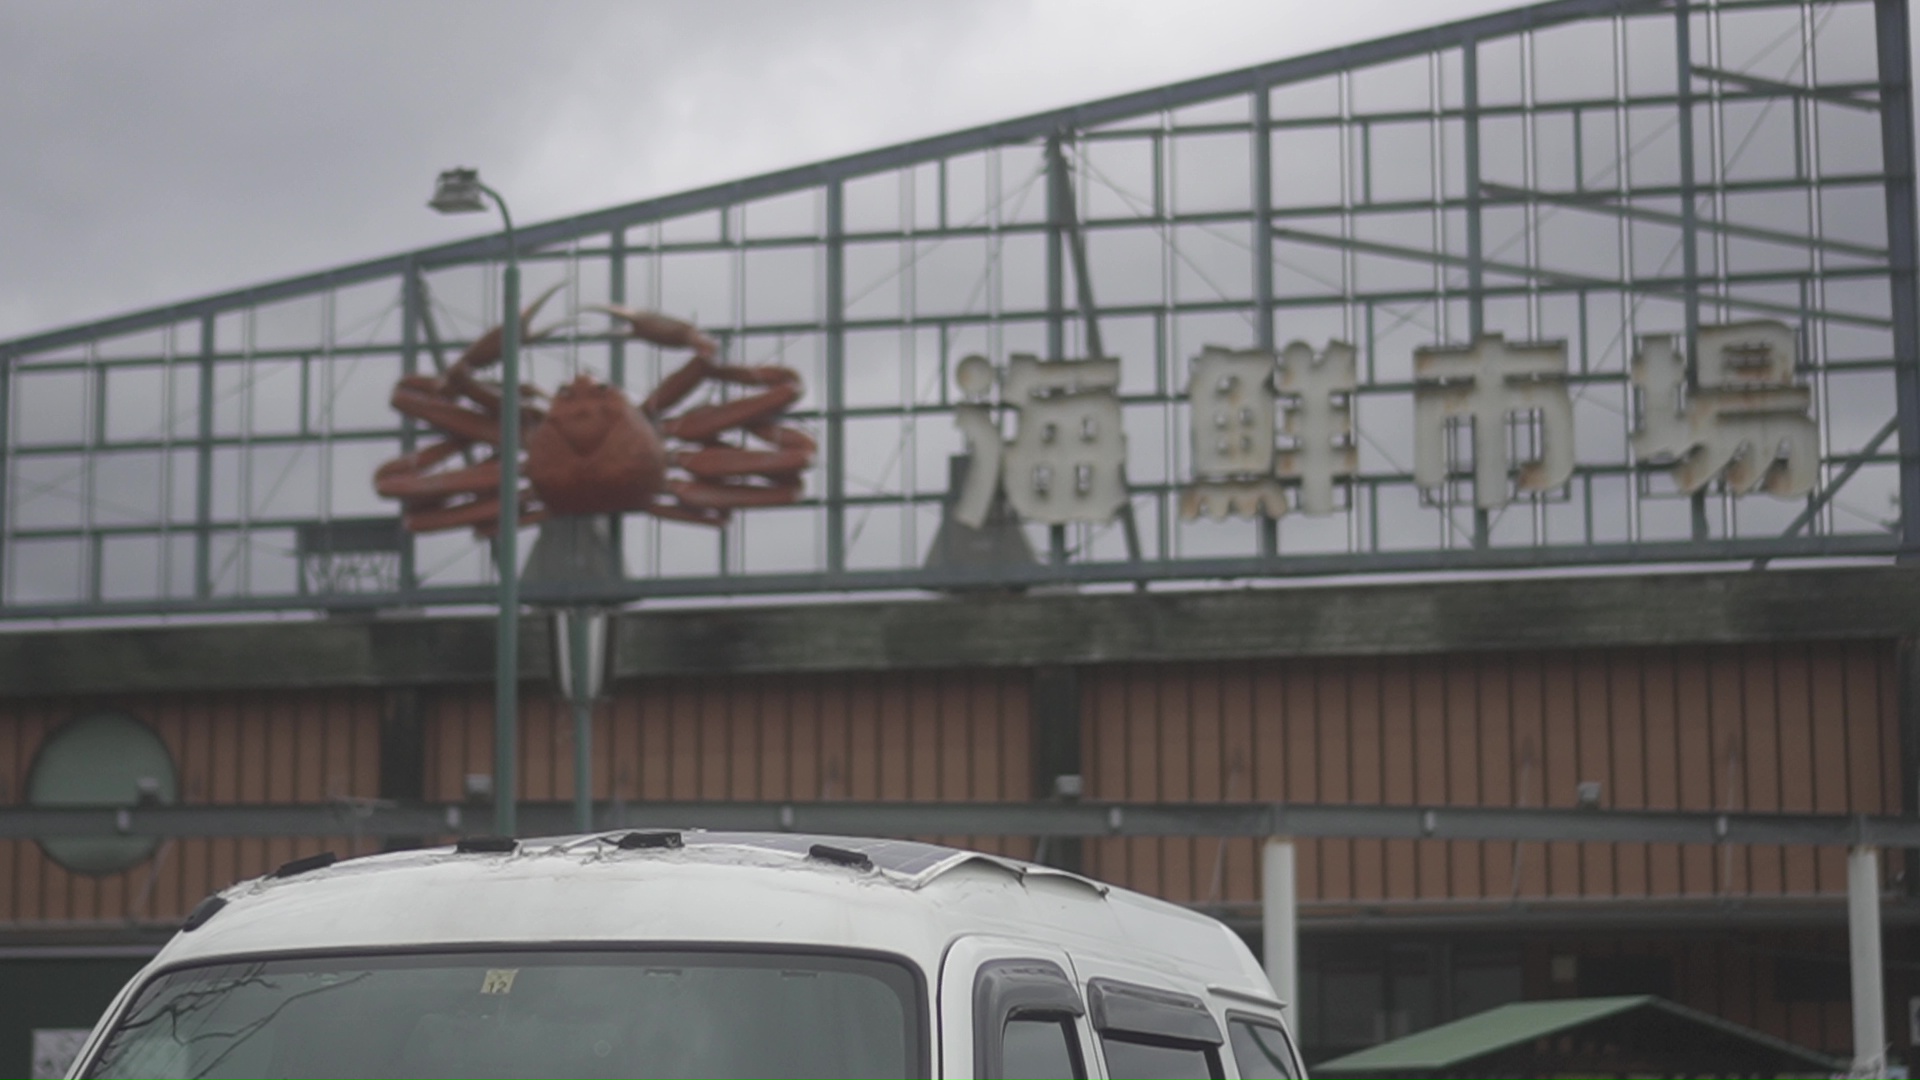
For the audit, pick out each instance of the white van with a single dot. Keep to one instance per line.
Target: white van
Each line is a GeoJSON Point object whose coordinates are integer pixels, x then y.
{"type": "Point", "coordinates": [692, 954]}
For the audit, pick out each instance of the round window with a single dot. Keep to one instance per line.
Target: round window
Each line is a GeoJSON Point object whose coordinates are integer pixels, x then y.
{"type": "Point", "coordinates": [101, 759]}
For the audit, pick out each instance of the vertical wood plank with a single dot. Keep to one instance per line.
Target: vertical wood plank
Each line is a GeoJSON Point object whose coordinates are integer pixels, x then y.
{"type": "Point", "coordinates": [1370, 756]}
{"type": "Point", "coordinates": [773, 699]}
{"type": "Point", "coordinates": [1867, 732]}
{"type": "Point", "coordinates": [1300, 709]}
{"type": "Point", "coordinates": [1560, 763]}
{"type": "Point", "coordinates": [807, 761]}
{"type": "Point", "coordinates": [1726, 708]}
{"type": "Point", "coordinates": [1103, 758]}
{"type": "Point", "coordinates": [1661, 768]}
{"type": "Point", "coordinates": [1830, 795]}
{"type": "Point", "coordinates": [1460, 717]}
{"type": "Point", "coordinates": [1626, 752]}
{"type": "Point", "coordinates": [1174, 777]}
{"type": "Point", "coordinates": [1401, 881]}
{"type": "Point", "coordinates": [1493, 698]}
{"type": "Point", "coordinates": [1528, 701]}
{"type": "Point", "coordinates": [1592, 717]}
{"type": "Point", "coordinates": [1430, 767]}
{"type": "Point", "coordinates": [1146, 869]}
{"type": "Point", "coordinates": [1334, 769]}
{"type": "Point", "coordinates": [744, 753]}
{"type": "Point", "coordinates": [838, 733]}
{"type": "Point", "coordinates": [1210, 775]}
{"type": "Point", "coordinates": [1695, 763]}
{"type": "Point", "coordinates": [1012, 704]}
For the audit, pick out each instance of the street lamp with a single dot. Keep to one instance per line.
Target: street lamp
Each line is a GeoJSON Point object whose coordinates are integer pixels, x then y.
{"type": "Point", "coordinates": [459, 191]}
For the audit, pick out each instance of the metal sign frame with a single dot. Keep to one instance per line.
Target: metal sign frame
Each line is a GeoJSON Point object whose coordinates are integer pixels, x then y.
{"type": "Point", "coordinates": [877, 272]}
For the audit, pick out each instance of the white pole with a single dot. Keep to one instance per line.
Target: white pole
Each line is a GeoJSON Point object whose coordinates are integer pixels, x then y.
{"type": "Point", "coordinates": [1863, 939]}
{"type": "Point", "coordinates": [1280, 919]}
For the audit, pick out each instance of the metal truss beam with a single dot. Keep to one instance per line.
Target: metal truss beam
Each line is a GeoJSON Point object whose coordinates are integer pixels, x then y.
{"type": "Point", "coordinates": [1892, 41]}
{"type": "Point", "coordinates": [1819, 93]}
{"type": "Point", "coordinates": [1819, 502]}
{"type": "Point", "coordinates": [1570, 278]}
{"type": "Point", "coordinates": [1605, 204]}
{"type": "Point", "coordinates": [1035, 819]}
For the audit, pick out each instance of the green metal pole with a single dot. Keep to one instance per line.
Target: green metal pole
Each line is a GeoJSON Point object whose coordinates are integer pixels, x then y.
{"type": "Point", "coordinates": [577, 625]}
{"type": "Point", "coordinates": [506, 670]}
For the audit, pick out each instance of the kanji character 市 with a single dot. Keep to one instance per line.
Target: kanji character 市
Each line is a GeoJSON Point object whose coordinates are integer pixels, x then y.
{"type": "Point", "coordinates": [1487, 383]}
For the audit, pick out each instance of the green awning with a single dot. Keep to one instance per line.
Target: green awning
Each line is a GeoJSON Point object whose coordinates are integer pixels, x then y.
{"type": "Point", "coordinates": [1589, 1034]}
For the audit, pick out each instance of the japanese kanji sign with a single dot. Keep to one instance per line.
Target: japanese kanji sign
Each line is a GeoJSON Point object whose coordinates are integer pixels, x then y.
{"type": "Point", "coordinates": [1067, 459]}
{"type": "Point", "coordinates": [1746, 420]}
{"type": "Point", "coordinates": [1263, 424]}
{"type": "Point", "coordinates": [1490, 382]}
{"type": "Point", "coordinates": [1238, 465]}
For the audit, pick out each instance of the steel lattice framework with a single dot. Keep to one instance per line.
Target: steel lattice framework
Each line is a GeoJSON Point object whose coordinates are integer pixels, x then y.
{"type": "Point", "coordinates": [1584, 170]}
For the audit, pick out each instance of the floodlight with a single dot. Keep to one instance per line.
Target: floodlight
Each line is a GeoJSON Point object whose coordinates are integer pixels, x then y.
{"type": "Point", "coordinates": [458, 192]}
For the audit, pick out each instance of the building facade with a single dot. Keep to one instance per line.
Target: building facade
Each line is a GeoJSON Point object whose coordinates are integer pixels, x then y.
{"type": "Point", "coordinates": [1506, 417]}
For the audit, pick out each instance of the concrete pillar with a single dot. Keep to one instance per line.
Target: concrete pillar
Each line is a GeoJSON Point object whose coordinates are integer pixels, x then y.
{"type": "Point", "coordinates": [1280, 918]}
{"type": "Point", "coordinates": [1863, 939]}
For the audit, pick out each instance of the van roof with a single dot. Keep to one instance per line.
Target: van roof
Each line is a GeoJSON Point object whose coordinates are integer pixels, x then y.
{"type": "Point", "coordinates": [780, 889]}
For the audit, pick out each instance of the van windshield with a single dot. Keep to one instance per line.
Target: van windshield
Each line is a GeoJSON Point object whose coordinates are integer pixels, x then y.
{"type": "Point", "coordinates": [531, 1014]}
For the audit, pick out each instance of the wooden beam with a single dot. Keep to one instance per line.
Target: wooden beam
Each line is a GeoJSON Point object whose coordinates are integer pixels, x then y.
{"type": "Point", "coordinates": [1398, 618]}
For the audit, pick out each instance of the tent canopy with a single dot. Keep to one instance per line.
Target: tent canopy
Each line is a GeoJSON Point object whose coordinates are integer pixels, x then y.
{"type": "Point", "coordinates": [1639, 1034]}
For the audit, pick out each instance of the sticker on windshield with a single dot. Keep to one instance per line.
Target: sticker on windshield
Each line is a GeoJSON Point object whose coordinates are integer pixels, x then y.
{"type": "Point", "coordinates": [498, 981]}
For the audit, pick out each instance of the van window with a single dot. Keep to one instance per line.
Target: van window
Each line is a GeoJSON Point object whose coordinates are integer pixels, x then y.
{"type": "Point", "coordinates": [1041, 1049]}
{"type": "Point", "coordinates": [1140, 1059]}
{"type": "Point", "coordinates": [527, 1013]}
{"type": "Point", "coordinates": [1023, 1015]}
{"type": "Point", "coordinates": [1260, 1050]}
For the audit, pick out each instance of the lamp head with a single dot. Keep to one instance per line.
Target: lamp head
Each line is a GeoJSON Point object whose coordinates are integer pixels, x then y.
{"type": "Point", "coordinates": [458, 192]}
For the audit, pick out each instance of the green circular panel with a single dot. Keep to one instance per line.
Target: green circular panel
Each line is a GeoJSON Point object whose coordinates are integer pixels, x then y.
{"type": "Point", "coordinates": [101, 759]}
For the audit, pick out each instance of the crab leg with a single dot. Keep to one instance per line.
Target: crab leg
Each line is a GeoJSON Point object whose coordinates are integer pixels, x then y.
{"type": "Point", "coordinates": [703, 423]}
{"type": "Point", "coordinates": [717, 462]}
{"type": "Point", "coordinates": [487, 347]}
{"type": "Point", "coordinates": [446, 414]}
{"type": "Point", "coordinates": [695, 515]}
{"type": "Point", "coordinates": [420, 460]}
{"type": "Point", "coordinates": [664, 330]}
{"type": "Point", "coordinates": [488, 396]}
{"type": "Point", "coordinates": [721, 496]}
{"type": "Point", "coordinates": [784, 437]}
{"type": "Point", "coordinates": [482, 514]}
{"type": "Point", "coordinates": [441, 485]}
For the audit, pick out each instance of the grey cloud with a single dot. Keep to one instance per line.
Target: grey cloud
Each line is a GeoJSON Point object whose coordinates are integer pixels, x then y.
{"type": "Point", "coordinates": [157, 152]}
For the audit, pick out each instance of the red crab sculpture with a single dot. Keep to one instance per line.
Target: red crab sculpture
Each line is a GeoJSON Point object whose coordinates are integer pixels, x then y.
{"type": "Point", "coordinates": [590, 449]}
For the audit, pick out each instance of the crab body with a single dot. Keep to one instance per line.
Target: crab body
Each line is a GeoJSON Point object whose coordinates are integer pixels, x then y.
{"type": "Point", "coordinates": [595, 453]}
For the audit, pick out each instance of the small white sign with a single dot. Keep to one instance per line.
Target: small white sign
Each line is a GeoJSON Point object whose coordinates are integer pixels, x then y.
{"type": "Point", "coordinates": [54, 1049]}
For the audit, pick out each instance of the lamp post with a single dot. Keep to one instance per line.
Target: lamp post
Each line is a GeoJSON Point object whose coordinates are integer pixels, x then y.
{"type": "Point", "coordinates": [459, 191]}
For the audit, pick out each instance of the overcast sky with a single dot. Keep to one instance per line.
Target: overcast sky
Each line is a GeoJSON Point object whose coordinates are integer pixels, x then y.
{"type": "Point", "coordinates": [157, 152]}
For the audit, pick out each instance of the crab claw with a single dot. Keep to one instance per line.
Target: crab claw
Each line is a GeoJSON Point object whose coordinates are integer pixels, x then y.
{"type": "Point", "coordinates": [664, 330]}
{"type": "Point", "coordinates": [486, 348]}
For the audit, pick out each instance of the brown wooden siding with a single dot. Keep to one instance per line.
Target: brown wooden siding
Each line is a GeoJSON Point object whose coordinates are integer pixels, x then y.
{"type": "Point", "coordinates": [230, 748]}
{"type": "Point", "coordinates": [1783, 727]}
{"type": "Point", "coordinates": [1794, 727]}
{"type": "Point", "coordinates": [932, 736]}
